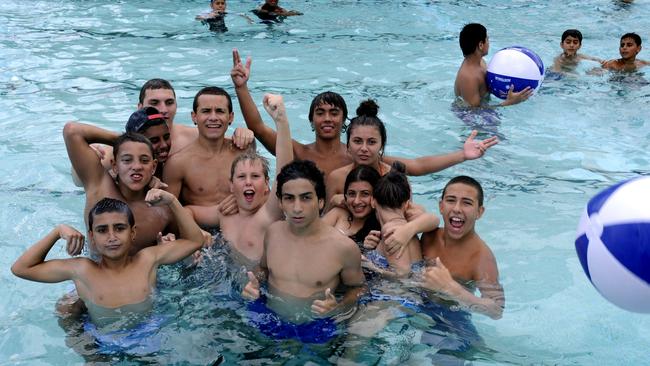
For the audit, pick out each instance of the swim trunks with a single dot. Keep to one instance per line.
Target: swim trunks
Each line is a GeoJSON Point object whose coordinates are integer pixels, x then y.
{"type": "Point", "coordinates": [319, 330]}
{"type": "Point", "coordinates": [454, 330]}
{"type": "Point", "coordinates": [142, 339]}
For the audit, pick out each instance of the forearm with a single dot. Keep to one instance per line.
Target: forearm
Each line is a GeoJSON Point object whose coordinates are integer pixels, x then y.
{"type": "Point", "coordinates": [205, 216]}
{"type": "Point", "coordinates": [284, 147]}
{"type": "Point", "coordinates": [252, 117]}
{"type": "Point", "coordinates": [431, 163]}
{"type": "Point", "coordinates": [35, 255]}
{"type": "Point", "coordinates": [491, 306]}
{"type": "Point", "coordinates": [352, 295]}
{"type": "Point", "coordinates": [187, 227]}
{"type": "Point", "coordinates": [422, 223]}
{"type": "Point", "coordinates": [91, 134]}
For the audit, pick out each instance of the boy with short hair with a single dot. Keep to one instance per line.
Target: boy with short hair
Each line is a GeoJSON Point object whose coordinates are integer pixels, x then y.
{"type": "Point", "coordinates": [216, 18]}
{"type": "Point", "coordinates": [629, 48]}
{"type": "Point", "coordinates": [570, 42]}
{"type": "Point", "coordinates": [304, 260]}
{"type": "Point", "coordinates": [249, 183]}
{"type": "Point", "coordinates": [119, 280]}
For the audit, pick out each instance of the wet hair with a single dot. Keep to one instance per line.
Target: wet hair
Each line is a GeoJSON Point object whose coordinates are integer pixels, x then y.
{"type": "Point", "coordinates": [211, 90]}
{"type": "Point", "coordinates": [250, 156]}
{"type": "Point", "coordinates": [330, 98]}
{"type": "Point", "coordinates": [468, 181]}
{"type": "Point", "coordinates": [155, 84]}
{"type": "Point", "coordinates": [305, 169]}
{"type": "Point", "coordinates": [634, 36]}
{"type": "Point", "coordinates": [108, 205]}
{"type": "Point", "coordinates": [572, 33]}
{"type": "Point", "coordinates": [130, 137]}
{"type": "Point", "coordinates": [367, 116]}
{"type": "Point", "coordinates": [470, 36]}
{"type": "Point", "coordinates": [362, 173]}
{"type": "Point", "coordinates": [393, 189]}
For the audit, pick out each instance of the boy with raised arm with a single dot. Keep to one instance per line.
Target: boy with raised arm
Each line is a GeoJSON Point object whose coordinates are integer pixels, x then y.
{"type": "Point", "coordinates": [304, 261]}
{"type": "Point", "coordinates": [119, 284]}
{"type": "Point", "coordinates": [249, 183]}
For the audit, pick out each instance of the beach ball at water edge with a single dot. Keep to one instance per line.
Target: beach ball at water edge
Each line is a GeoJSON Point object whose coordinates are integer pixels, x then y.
{"type": "Point", "coordinates": [516, 66]}
{"type": "Point", "coordinates": [613, 244]}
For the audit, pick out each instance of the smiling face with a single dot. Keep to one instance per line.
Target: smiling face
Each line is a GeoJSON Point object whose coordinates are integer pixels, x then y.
{"type": "Point", "coordinates": [365, 145]}
{"type": "Point", "coordinates": [111, 235]}
{"type": "Point", "coordinates": [460, 209]}
{"type": "Point", "coordinates": [358, 199]}
{"type": "Point", "coordinates": [629, 49]}
{"type": "Point", "coordinates": [249, 185]}
{"type": "Point", "coordinates": [134, 165]}
{"type": "Point", "coordinates": [163, 100]}
{"type": "Point", "coordinates": [327, 121]}
{"type": "Point", "coordinates": [161, 141]}
{"type": "Point", "coordinates": [570, 46]}
{"type": "Point", "coordinates": [299, 203]}
{"type": "Point", "coordinates": [212, 116]}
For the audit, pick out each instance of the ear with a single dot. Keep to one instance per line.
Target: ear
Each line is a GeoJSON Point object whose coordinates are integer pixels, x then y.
{"type": "Point", "coordinates": [231, 186]}
{"type": "Point", "coordinates": [133, 233]}
{"type": "Point", "coordinates": [231, 118]}
{"type": "Point", "coordinates": [193, 114]}
{"type": "Point", "coordinates": [373, 203]}
{"type": "Point", "coordinates": [155, 165]}
{"type": "Point", "coordinates": [140, 105]}
{"type": "Point", "coordinates": [480, 212]}
{"type": "Point", "coordinates": [321, 204]}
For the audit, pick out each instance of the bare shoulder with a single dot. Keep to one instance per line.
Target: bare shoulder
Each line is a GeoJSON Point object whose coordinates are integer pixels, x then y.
{"type": "Point", "coordinates": [341, 242]}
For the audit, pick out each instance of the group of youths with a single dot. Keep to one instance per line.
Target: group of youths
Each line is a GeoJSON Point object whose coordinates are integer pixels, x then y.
{"type": "Point", "coordinates": [269, 12]}
{"type": "Point", "coordinates": [304, 266]}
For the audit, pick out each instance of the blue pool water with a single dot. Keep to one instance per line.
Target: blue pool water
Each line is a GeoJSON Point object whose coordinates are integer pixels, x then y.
{"type": "Point", "coordinates": [85, 60]}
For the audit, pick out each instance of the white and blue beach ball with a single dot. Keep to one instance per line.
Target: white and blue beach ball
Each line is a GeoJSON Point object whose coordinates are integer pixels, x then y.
{"type": "Point", "coordinates": [613, 244]}
{"type": "Point", "coordinates": [516, 66]}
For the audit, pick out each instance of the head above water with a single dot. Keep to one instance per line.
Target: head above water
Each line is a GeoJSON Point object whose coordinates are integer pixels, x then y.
{"type": "Point", "coordinates": [393, 189]}
{"type": "Point", "coordinates": [142, 119]}
{"type": "Point", "coordinates": [367, 116]}
{"type": "Point", "coordinates": [331, 98]}
{"type": "Point", "coordinates": [250, 156]}
{"type": "Point", "coordinates": [155, 84]}
{"type": "Point", "coordinates": [470, 36]}
{"type": "Point", "coordinates": [361, 173]}
{"type": "Point", "coordinates": [211, 90]}
{"type": "Point", "coordinates": [467, 181]}
{"type": "Point", "coordinates": [571, 33]}
{"type": "Point", "coordinates": [109, 205]}
{"type": "Point", "coordinates": [130, 137]}
{"type": "Point", "coordinates": [635, 37]}
{"type": "Point", "coordinates": [305, 169]}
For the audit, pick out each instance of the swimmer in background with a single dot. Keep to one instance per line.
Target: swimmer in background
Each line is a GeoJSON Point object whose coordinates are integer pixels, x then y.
{"type": "Point", "coordinates": [470, 84]}
{"type": "Point", "coordinates": [570, 43]}
{"type": "Point", "coordinates": [270, 10]}
{"type": "Point", "coordinates": [249, 183]}
{"type": "Point", "coordinates": [215, 19]}
{"type": "Point", "coordinates": [630, 47]}
{"type": "Point", "coordinates": [119, 279]}
{"type": "Point", "coordinates": [305, 260]}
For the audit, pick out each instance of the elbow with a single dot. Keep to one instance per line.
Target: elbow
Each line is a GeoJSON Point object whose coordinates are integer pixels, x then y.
{"type": "Point", "coordinates": [17, 270]}
{"type": "Point", "coordinates": [70, 129]}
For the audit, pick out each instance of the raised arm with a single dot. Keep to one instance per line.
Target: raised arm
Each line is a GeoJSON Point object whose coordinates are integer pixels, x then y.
{"type": "Point", "coordinates": [78, 137]}
{"type": "Point", "coordinates": [33, 266]}
{"type": "Point", "coordinates": [472, 149]}
{"type": "Point", "coordinates": [274, 105]}
{"type": "Point", "coordinates": [240, 74]}
{"type": "Point", "coordinates": [173, 174]}
{"type": "Point", "coordinates": [190, 237]}
{"type": "Point", "coordinates": [492, 300]}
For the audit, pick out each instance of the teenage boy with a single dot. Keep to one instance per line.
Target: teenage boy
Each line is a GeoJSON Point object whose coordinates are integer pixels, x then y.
{"type": "Point", "coordinates": [304, 261]}
{"type": "Point", "coordinates": [249, 183]}
{"type": "Point", "coordinates": [119, 278]}
{"type": "Point", "coordinates": [629, 48]}
{"type": "Point", "coordinates": [470, 85]}
{"type": "Point", "coordinates": [570, 42]}
{"type": "Point", "coordinates": [458, 253]}
{"type": "Point", "coordinates": [198, 174]}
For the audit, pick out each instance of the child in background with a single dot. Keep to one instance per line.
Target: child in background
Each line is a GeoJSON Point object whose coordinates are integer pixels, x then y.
{"type": "Point", "coordinates": [629, 48]}
{"type": "Point", "coordinates": [571, 42]}
{"type": "Point", "coordinates": [271, 11]}
{"type": "Point", "coordinates": [215, 19]}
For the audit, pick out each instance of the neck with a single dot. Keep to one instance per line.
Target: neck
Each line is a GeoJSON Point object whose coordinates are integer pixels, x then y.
{"type": "Point", "coordinates": [475, 58]}
{"type": "Point", "coordinates": [212, 145]}
{"type": "Point", "coordinates": [308, 230]}
{"type": "Point", "coordinates": [326, 146]}
{"type": "Point", "coordinates": [116, 263]}
{"type": "Point", "coordinates": [449, 241]}
{"type": "Point", "coordinates": [386, 215]}
{"type": "Point", "coordinates": [129, 195]}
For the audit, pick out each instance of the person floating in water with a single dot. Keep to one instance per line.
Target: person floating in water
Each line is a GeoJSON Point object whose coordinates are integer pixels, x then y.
{"type": "Point", "coordinates": [571, 42]}
{"type": "Point", "coordinates": [305, 260]}
{"type": "Point", "coordinates": [470, 85]}
{"type": "Point", "coordinates": [629, 48]}
{"type": "Point", "coordinates": [215, 19]}
{"type": "Point", "coordinates": [270, 11]}
{"type": "Point", "coordinates": [119, 283]}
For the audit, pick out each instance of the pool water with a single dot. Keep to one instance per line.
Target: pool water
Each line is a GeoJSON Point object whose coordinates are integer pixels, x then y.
{"type": "Point", "coordinates": [85, 60]}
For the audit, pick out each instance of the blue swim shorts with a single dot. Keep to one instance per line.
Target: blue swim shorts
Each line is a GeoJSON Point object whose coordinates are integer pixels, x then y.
{"type": "Point", "coordinates": [269, 323]}
{"type": "Point", "coordinates": [143, 339]}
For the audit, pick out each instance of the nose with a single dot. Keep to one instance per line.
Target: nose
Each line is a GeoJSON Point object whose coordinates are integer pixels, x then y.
{"type": "Point", "coordinates": [356, 199]}
{"type": "Point", "coordinates": [297, 206]}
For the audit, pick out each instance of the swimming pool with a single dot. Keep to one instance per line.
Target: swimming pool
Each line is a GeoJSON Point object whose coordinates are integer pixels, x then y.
{"type": "Point", "coordinates": [64, 60]}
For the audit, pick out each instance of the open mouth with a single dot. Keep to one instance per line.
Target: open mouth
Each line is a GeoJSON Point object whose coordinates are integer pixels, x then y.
{"type": "Point", "coordinates": [456, 222]}
{"type": "Point", "coordinates": [136, 177]}
{"type": "Point", "coordinates": [249, 194]}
